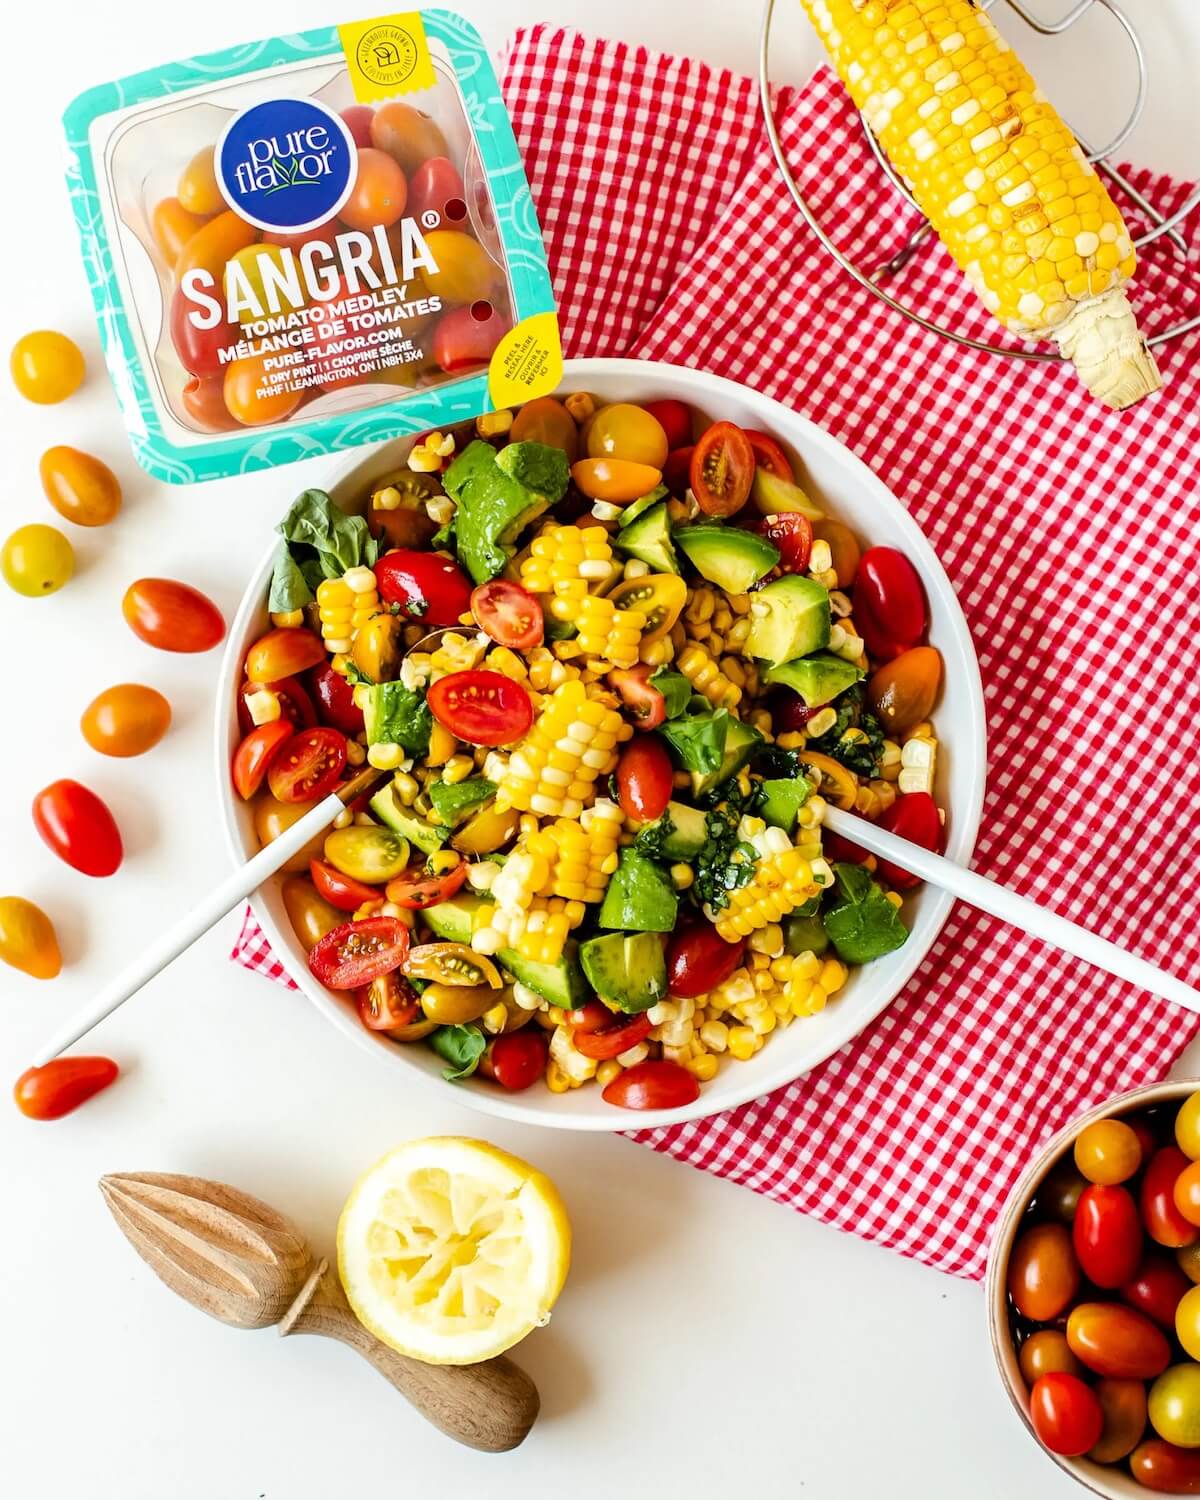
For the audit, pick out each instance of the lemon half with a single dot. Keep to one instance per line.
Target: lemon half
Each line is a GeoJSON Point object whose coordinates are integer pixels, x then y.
{"type": "Point", "coordinates": [451, 1250]}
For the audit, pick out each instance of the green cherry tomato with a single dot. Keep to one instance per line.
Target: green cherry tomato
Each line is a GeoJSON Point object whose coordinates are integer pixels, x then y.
{"type": "Point", "coordinates": [37, 560]}
{"type": "Point", "coordinates": [1174, 1405]}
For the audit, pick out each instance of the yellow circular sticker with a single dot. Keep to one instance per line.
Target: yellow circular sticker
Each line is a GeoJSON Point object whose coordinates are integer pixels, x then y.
{"type": "Point", "coordinates": [388, 55]}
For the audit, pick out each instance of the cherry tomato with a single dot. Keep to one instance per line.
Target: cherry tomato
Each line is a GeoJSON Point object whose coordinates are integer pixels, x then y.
{"type": "Point", "coordinates": [640, 697]}
{"type": "Point", "coordinates": [722, 470]}
{"type": "Point", "coordinates": [388, 1002]}
{"type": "Point", "coordinates": [1187, 1127]}
{"type": "Point", "coordinates": [659, 596]}
{"type": "Point", "coordinates": [212, 248]}
{"type": "Point", "coordinates": [465, 273]}
{"type": "Point", "coordinates": [335, 700]}
{"type": "Point", "coordinates": [27, 939]}
{"type": "Point", "coordinates": [468, 336]}
{"type": "Point", "coordinates": [1043, 1274]}
{"type": "Point", "coordinates": [415, 891]}
{"type": "Point", "coordinates": [508, 614]}
{"type": "Point", "coordinates": [645, 778]}
{"type": "Point", "coordinates": [379, 193]}
{"type": "Point", "coordinates": [1146, 1138]}
{"type": "Point", "coordinates": [436, 188]}
{"type": "Point", "coordinates": [913, 816]}
{"type": "Point", "coordinates": [452, 964]}
{"type": "Point", "coordinates": [311, 915]}
{"type": "Point", "coordinates": [1066, 1414]}
{"type": "Point", "coordinates": [904, 690]}
{"type": "Point", "coordinates": [198, 190]}
{"type": "Point", "coordinates": [407, 134]}
{"type": "Point", "coordinates": [699, 959]}
{"type": "Point", "coordinates": [1187, 1193]}
{"type": "Point", "coordinates": [308, 767]}
{"type": "Point", "coordinates": [1047, 1352]}
{"type": "Point", "coordinates": [294, 703]}
{"type": "Point", "coordinates": [1187, 1321]}
{"type": "Point", "coordinates": [456, 1005]}
{"type": "Point", "coordinates": [1187, 1258]}
{"type": "Point", "coordinates": [283, 652]}
{"type": "Point", "coordinates": [652, 1085]}
{"type": "Point", "coordinates": [203, 402]}
{"type": "Point", "coordinates": [431, 589]}
{"type": "Point", "coordinates": [367, 853]}
{"type": "Point", "coordinates": [677, 471]}
{"type": "Point", "coordinates": [769, 455]}
{"type": "Point", "coordinates": [253, 399]}
{"type": "Point", "coordinates": [37, 560]}
{"type": "Point", "coordinates": [792, 533]}
{"type": "Point", "coordinates": [359, 118]}
{"type": "Point", "coordinates": [1164, 1223]}
{"type": "Point", "coordinates": [341, 890]}
{"type": "Point", "coordinates": [78, 827]}
{"type": "Point", "coordinates": [615, 480]}
{"type": "Point", "coordinates": [255, 754]}
{"type": "Point", "coordinates": [1156, 1288]}
{"type": "Point", "coordinates": [173, 226]}
{"type": "Point", "coordinates": [843, 544]}
{"type": "Point", "coordinates": [516, 1060]}
{"type": "Point", "coordinates": [789, 714]}
{"type": "Point", "coordinates": [172, 616]}
{"type": "Point", "coordinates": [545, 420]}
{"type": "Point", "coordinates": [1174, 1406]}
{"type": "Point", "coordinates": [408, 524]}
{"type": "Point", "coordinates": [481, 707]}
{"type": "Point", "coordinates": [627, 432]}
{"type": "Point", "coordinates": [675, 419]}
{"type": "Point", "coordinates": [1108, 1152]}
{"type": "Point", "coordinates": [54, 1090]}
{"type": "Point", "coordinates": [79, 487]}
{"type": "Point", "coordinates": [1166, 1469]}
{"type": "Point", "coordinates": [126, 720]}
{"type": "Point", "coordinates": [889, 603]}
{"type": "Point", "coordinates": [272, 818]}
{"type": "Point", "coordinates": [1107, 1235]}
{"type": "Point", "coordinates": [46, 366]}
{"type": "Point", "coordinates": [1058, 1196]}
{"type": "Point", "coordinates": [199, 348]}
{"type": "Point", "coordinates": [599, 1033]}
{"type": "Point", "coordinates": [355, 953]}
{"type": "Point", "coordinates": [1117, 1341]}
{"type": "Point", "coordinates": [1123, 1403]}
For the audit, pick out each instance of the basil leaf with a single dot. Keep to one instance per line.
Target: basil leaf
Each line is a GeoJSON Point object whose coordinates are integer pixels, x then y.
{"type": "Point", "coordinates": [454, 803]}
{"type": "Point", "coordinates": [397, 715]}
{"type": "Point", "coordinates": [340, 541]}
{"type": "Point", "coordinates": [862, 924]}
{"type": "Point", "coordinates": [675, 688]}
{"type": "Point", "coordinates": [698, 740]}
{"type": "Point", "coordinates": [461, 1047]}
{"type": "Point", "coordinates": [289, 587]}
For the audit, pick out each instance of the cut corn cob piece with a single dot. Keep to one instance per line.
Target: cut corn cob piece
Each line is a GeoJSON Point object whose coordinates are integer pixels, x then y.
{"type": "Point", "coordinates": [999, 176]}
{"type": "Point", "coordinates": [612, 634]}
{"type": "Point", "coordinates": [345, 605]}
{"type": "Point", "coordinates": [554, 770]}
{"type": "Point", "coordinates": [783, 880]}
{"type": "Point", "coordinates": [564, 562]}
{"type": "Point", "coordinates": [706, 677]}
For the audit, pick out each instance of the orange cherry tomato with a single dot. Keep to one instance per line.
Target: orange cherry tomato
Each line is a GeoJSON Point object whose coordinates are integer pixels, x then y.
{"type": "Point", "coordinates": [198, 191]}
{"type": "Point", "coordinates": [79, 487]}
{"type": "Point", "coordinates": [272, 818]}
{"type": "Point", "coordinates": [1186, 1193]}
{"type": "Point", "coordinates": [1166, 1469]}
{"type": "Point", "coordinates": [255, 753]}
{"type": "Point", "coordinates": [172, 616]}
{"type": "Point", "coordinates": [465, 271]}
{"type": "Point", "coordinates": [54, 1090]}
{"type": "Point", "coordinates": [843, 544]}
{"type": "Point", "coordinates": [173, 226]}
{"type": "Point", "coordinates": [212, 247]}
{"type": "Point", "coordinates": [379, 193]}
{"type": "Point", "coordinates": [1123, 1403]}
{"type": "Point", "coordinates": [1043, 1274]}
{"type": "Point", "coordinates": [545, 420]}
{"type": "Point", "coordinates": [46, 366]}
{"type": "Point", "coordinates": [126, 720]}
{"type": "Point", "coordinates": [1045, 1353]}
{"type": "Point", "coordinates": [614, 480]}
{"type": "Point", "coordinates": [904, 691]}
{"type": "Point", "coordinates": [407, 134]}
{"type": "Point", "coordinates": [27, 938]}
{"type": "Point", "coordinates": [283, 653]}
{"type": "Point", "coordinates": [1108, 1152]}
{"type": "Point", "coordinates": [310, 915]}
{"type": "Point", "coordinates": [659, 596]}
{"type": "Point", "coordinates": [1117, 1342]}
{"type": "Point", "coordinates": [77, 826]}
{"type": "Point", "coordinates": [251, 396]}
{"type": "Point", "coordinates": [203, 399]}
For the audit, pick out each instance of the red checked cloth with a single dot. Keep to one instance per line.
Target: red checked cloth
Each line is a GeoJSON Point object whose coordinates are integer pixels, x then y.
{"type": "Point", "coordinates": [1071, 535]}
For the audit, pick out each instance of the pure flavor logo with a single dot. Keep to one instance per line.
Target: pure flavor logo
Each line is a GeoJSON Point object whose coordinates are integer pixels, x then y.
{"type": "Point", "coordinates": [286, 164]}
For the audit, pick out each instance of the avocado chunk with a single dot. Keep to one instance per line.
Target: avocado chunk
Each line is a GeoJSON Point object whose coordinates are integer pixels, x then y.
{"type": "Point", "coordinates": [639, 507]}
{"type": "Point", "coordinates": [731, 558]}
{"type": "Point", "coordinates": [680, 833]}
{"type": "Point", "coordinates": [740, 744]}
{"type": "Point", "coordinates": [782, 800]}
{"type": "Point", "coordinates": [861, 923]}
{"type": "Point", "coordinates": [626, 968]}
{"type": "Point", "coordinates": [388, 808]}
{"type": "Point", "coordinates": [640, 897]}
{"type": "Point", "coordinates": [396, 715]}
{"type": "Point", "coordinates": [818, 679]}
{"type": "Point", "coordinates": [804, 935]}
{"type": "Point", "coordinates": [649, 539]}
{"type": "Point", "coordinates": [773, 494]}
{"type": "Point", "coordinates": [796, 621]}
{"type": "Point", "coordinates": [497, 495]}
{"type": "Point", "coordinates": [454, 804]}
{"type": "Point", "coordinates": [562, 983]}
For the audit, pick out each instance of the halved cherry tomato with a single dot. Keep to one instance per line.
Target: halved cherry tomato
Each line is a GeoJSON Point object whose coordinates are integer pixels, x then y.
{"type": "Point", "coordinates": [335, 697]}
{"type": "Point", "coordinates": [452, 963]}
{"type": "Point", "coordinates": [436, 187]}
{"type": "Point", "coordinates": [415, 891]}
{"type": "Point", "coordinates": [645, 778]}
{"type": "Point", "coordinates": [481, 707]}
{"type": "Point", "coordinates": [889, 603]}
{"type": "Point", "coordinates": [677, 471]}
{"type": "Point", "coordinates": [913, 816]}
{"type": "Point", "coordinates": [600, 1034]}
{"type": "Point", "coordinates": [58, 1087]}
{"type": "Point", "coordinates": [468, 336]}
{"type": "Point", "coordinates": [342, 891]}
{"type": "Point", "coordinates": [652, 1085]}
{"type": "Point", "coordinates": [792, 533]}
{"type": "Point", "coordinates": [674, 418]}
{"type": "Point", "coordinates": [1066, 1414]}
{"type": "Point", "coordinates": [283, 653]}
{"type": "Point", "coordinates": [515, 1060]}
{"type": "Point", "coordinates": [1164, 1223]}
{"type": "Point", "coordinates": [308, 767]}
{"type": "Point", "coordinates": [388, 1002]}
{"type": "Point", "coordinates": [645, 702]}
{"type": "Point", "coordinates": [699, 959]}
{"type": "Point", "coordinates": [1107, 1234]}
{"type": "Point", "coordinates": [255, 754]}
{"type": "Point", "coordinates": [172, 616]}
{"type": "Point", "coordinates": [356, 953]}
{"type": "Point", "coordinates": [78, 827]}
{"type": "Point", "coordinates": [429, 588]}
{"type": "Point", "coordinates": [769, 455]}
{"type": "Point", "coordinates": [294, 703]}
{"type": "Point", "coordinates": [722, 470]}
{"type": "Point", "coordinates": [509, 614]}
{"type": "Point", "coordinates": [615, 480]}
{"type": "Point", "coordinates": [659, 596]}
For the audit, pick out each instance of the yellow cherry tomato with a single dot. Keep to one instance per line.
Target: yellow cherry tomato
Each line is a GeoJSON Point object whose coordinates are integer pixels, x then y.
{"type": "Point", "coordinates": [659, 596]}
{"type": "Point", "coordinates": [173, 226]}
{"type": "Point", "coordinates": [198, 191]}
{"type": "Point", "coordinates": [79, 486]}
{"type": "Point", "coordinates": [449, 1005]}
{"type": "Point", "coordinates": [309, 913]}
{"type": "Point", "coordinates": [250, 396]}
{"type": "Point", "coordinates": [272, 818]}
{"type": "Point", "coordinates": [627, 432]}
{"type": "Point", "coordinates": [211, 248]}
{"type": "Point", "coordinates": [27, 938]}
{"type": "Point", "coordinates": [465, 271]}
{"type": "Point", "coordinates": [1187, 1126]}
{"type": "Point", "coordinates": [46, 366]}
{"type": "Point", "coordinates": [837, 784]}
{"type": "Point", "coordinates": [1108, 1152]}
{"type": "Point", "coordinates": [249, 283]}
{"type": "Point", "coordinates": [615, 480]}
{"type": "Point", "coordinates": [37, 560]}
{"type": "Point", "coordinates": [126, 720]}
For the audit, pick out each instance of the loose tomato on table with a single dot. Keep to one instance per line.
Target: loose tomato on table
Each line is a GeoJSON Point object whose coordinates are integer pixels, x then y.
{"type": "Point", "coordinates": [46, 366]}
{"type": "Point", "coordinates": [600, 1033]}
{"type": "Point", "coordinates": [722, 470]}
{"type": "Point", "coordinates": [366, 852]}
{"type": "Point", "coordinates": [889, 603]}
{"type": "Point", "coordinates": [481, 707]}
{"type": "Point", "coordinates": [1066, 1414]}
{"type": "Point", "coordinates": [283, 652]}
{"type": "Point", "coordinates": [468, 336]}
{"type": "Point", "coordinates": [125, 720]}
{"type": "Point", "coordinates": [645, 778]}
{"type": "Point", "coordinates": [294, 703]}
{"type": "Point", "coordinates": [515, 1060]}
{"type": "Point", "coordinates": [308, 767]}
{"type": "Point", "coordinates": [508, 614]}
{"type": "Point", "coordinates": [1117, 1341]}
{"type": "Point", "coordinates": [699, 959]}
{"type": "Point", "coordinates": [342, 891]}
{"type": "Point", "coordinates": [428, 588]}
{"type": "Point", "coordinates": [769, 455]}
{"type": "Point", "coordinates": [1107, 1235]}
{"type": "Point", "coordinates": [1165, 1469]}
{"type": "Point", "coordinates": [416, 890]}
{"type": "Point", "coordinates": [37, 561]}
{"type": "Point", "coordinates": [356, 953]}
{"type": "Point", "coordinates": [652, 1085]}
{"type": "Point", "coordinates": [639, 695]}
{"type": "Point", "coordinates": [255, 753]}
{"type": "Point", "coordinates": [173, 616]}
{"type": "Point", "coordinates": [79, 486]}
{"type": "Point", "coordinates": [58, 1087]}
{"type": "Point", "coordinates": [388, 1002]}
{"type": "Point", "coordinates": [675, 419]}
{"type": "Point", "coordinates": [335, 699]}
{"type": "Point", "coordinates": [77, 826]}
{"type": "Point", "coordinates": [1156, 1288]}
{"type": "Point", "coordinates": [904, 690]}
{"type": "Point", "coordinates": [1164, 1223]}
{"type": "Point", "coordinates": [1043, 1273]}
{"type": "Point", "coordinates": [792, 533]}
{"type": "Point", "coordinates": [27, 939]}
{"type": "Point", "coordinates": [453, 964]}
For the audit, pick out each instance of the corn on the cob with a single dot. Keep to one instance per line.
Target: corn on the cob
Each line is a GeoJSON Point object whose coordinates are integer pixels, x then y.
{"type": "Point", "coordinates": [554, 770]}
{"type": "Point", "coordinates": [706, 677]}
{"type": "Point", "coordinates": [783, 879]}
{"type": "Point", "coordinates": [586, 852]}
{"type": "Point", "coordinates": [605, 632]}
{"type": "Point", "coordinates": [999, 176]}
{"type": "Point", "coordinates": [345, 605]}
{"type": "Point", "coordinates": [565, 562]}
{"type": "Point", "coordinates": [524, 917]}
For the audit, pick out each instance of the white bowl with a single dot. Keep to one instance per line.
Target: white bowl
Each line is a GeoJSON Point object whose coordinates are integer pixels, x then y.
{"type": "Point", "coordinates": [852, 493]}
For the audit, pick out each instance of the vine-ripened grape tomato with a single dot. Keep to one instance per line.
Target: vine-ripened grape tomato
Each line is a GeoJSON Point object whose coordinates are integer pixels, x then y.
{"type": "Point", "coordinates": [481, 707]}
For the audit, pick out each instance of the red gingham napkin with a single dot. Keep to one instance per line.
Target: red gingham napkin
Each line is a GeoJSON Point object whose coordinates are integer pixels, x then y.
{"type": "Point", "coordinates": [1070, 535]}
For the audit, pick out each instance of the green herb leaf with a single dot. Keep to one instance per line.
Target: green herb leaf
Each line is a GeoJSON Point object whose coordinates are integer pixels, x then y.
{"type": "Point", "coordinates": [461, 1047]}
{"type": "Point", "coordinates": [453, 804]}
{"type": "Point", "coordinates": [862, 924]}
{"type": "Point", "coordinates": [675, 688]}
{"type": "Point", "coordinates": [397, 715]}
{"type": "Point", "coordinates": [698, 740]}
{"type": "Point", "coordinates": [289, 587]}
{"type": "Point", "coordinates": [856, 754]}
{"type": "Point", "coordinates": [340, 541]}
{"type": "Point", "coordinates": [726, 862]}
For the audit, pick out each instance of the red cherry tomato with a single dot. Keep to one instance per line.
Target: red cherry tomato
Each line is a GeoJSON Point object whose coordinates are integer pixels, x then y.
{"type": "Point", "coordinates": [429, 589]}
{"type": "Point", "coordinates": [358, 119]}
{"type": "Point", "coordinates": [677, 471]}
{"type": "Point", "coordinates": [467, 336]}
{"type": "Point", "coordinates": [790, 713]}
{"type": "Point", "coordinates": [722, 470]}
{"type": "Point", "coordinates": [699, 959]}
{"type": "Point", "coordinates": [1043, 1274]}
{"type": "Point", "coordinates": [1164, 1223]}
{"type": "Point", "coordinates": [645, 778]}
{"type": "Point", "coordinates": [388, 1003]}
{"type": "Point", "coordinates": [435, 187]}
{"type": "Point", "coordinates": [357, 952]}
{"type": "Point", "coordinates": [1156, 1288]}
{"type": "Point", "coordinates": [889, 603]}
{"type": "Point", "coordinates": [379, 193]}
{"type": "Point", "coordinates": [1115, 1341]}
{"type": "Point", "coordinates": [78, 827]}
{"type": "Point", "coordinates": [515, 1060]}
{"type": "Point", "coordinates": [283, 653]}
{"type": "Point", "coordinates": [172, 616]}
{"type": "Point", "coordinates": [481, 707]}
{"type": "Point", "coordinates": [199, 348]}
{"type": "Point", "coordinates": [308, 767]}
{"type": "Point", "coordinates": [335, 699]}
{"type": "Point", "coordinates": [58, 1087]}
{"type": "Point", "coordinates": [1165, 1469]}
{"type": "Point", "coordinates": [769, 455]}
{"type": "Point", "coordinates": [674, 418]}
{"type": "Point", "coordinates": [294, 703]}
{"type": "Point", "coordinates": [415, 891]}
{"type": "Point", "coordinates": [599, 1033]}
{"type": "Point", "coordinates": [913, 816]}
{"type": "Point", "coordinates": [637, 693]}
{"type": "Point", "coordinates": [652, 1085]}
{"type": "Point", "coordinates": [255, 753]}
{"type": "Point", "coordinates": [508, 614]}
{"type": "Point", "coordinates": [342, 891]}
{"type": "Point", "coordinates": [1107, 1235]}
{"type": "Point", "coordinates": [1066, 1414]}
{"type": "Point", "coordinates": [203, 399]}
{"type": "Point", "coordinates": [792, 533]}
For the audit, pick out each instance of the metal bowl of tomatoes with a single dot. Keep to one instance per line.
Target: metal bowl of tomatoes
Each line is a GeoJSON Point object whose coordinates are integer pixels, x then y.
{"type": "Point", "coordinates": [852, 493]}
{"type": "Point", "coordinates": [1093, 1296]}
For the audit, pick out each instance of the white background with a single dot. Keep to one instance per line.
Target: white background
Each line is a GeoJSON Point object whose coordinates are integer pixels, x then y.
{"type": "Point", "coordinates": [707, 1340]}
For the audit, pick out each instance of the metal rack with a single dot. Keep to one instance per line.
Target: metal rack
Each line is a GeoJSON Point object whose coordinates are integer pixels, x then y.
{"type": "Point", "coordinates": [1163, 231]}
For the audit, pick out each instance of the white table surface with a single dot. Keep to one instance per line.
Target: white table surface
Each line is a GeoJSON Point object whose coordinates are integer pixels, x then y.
{"type": "Point", "coordinates": [707, 1339]}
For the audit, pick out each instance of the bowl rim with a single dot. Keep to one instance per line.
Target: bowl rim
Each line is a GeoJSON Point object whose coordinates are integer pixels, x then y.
{"type": "Point", "coordinates": [705, 390]}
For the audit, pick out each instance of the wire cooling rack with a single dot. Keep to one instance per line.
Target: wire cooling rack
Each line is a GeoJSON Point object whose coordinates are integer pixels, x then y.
{"type": "Point", "coordinates": [1164, 232]}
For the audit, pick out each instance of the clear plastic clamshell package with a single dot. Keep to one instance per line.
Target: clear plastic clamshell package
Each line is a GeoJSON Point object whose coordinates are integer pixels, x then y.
{"type": "Point", "coordinates": [309, 243]}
